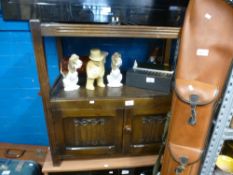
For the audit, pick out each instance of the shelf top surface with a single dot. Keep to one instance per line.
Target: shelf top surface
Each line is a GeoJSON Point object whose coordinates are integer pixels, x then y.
{"type": "Point", "coordinates": [97, 30]}
{"type": "Point", "coordinates": [126, 92]}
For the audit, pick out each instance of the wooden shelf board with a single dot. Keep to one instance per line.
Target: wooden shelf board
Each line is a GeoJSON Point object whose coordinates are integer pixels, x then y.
{"type": "Point", "coordinates": [123, 31]}
{"type": "Point", "coordinates": [98, 164]}
{"type": "Point", "coordinates": [58, 93]}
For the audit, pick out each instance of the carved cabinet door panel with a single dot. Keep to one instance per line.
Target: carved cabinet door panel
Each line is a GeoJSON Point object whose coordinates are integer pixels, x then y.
{"type": "Point", "coordinates": [89, 133]}
{"type": "Point", "coordinates": [143, 126]}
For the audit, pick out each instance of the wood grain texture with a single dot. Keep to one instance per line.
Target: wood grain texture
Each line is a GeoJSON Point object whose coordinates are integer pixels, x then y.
{"type": "Point", "coordinates": [44, 82]}
{"type": "Point", "coordinates": [81, 136]}
{"type": "Point", "coordinates": [146, 125]}
{"type": "Point", "coordinates": [167, 51]}
{"type": "Point", "coordinates": [87, 30]}
{"type": "Point", "coordinates": [59, 95]}
{"type": "Point", "coordinates": [98, 164]}
{"type": "Point", "coordinates": [126, 130]}
{"type": "Point", "coordinates": [73, 117]}
{"type": "Point", "coordinates": [59, 51]}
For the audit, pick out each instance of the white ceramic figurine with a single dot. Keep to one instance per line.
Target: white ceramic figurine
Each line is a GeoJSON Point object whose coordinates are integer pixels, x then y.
{"type": "Point", "coordinates": [115, 76]}
{"type": "Point", "coordinates": [70, 78]}
{"type": "Point", "coordinates": [95, 69]}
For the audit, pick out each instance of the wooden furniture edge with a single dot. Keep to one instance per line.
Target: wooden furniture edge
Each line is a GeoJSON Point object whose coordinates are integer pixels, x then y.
{"type": "Point", "coordinates": [42, 70]}
{"type": "Point", "coordinates": [122, 31]}
{"type": "Point", "coordinates": [36, 153]}
{"type": "Point", "coordinates": [40, 30]}
{"type": "Point", "coordinates": [97, 164]}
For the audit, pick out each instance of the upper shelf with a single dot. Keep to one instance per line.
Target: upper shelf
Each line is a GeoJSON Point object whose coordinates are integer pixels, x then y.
{"type": "Point", "coordinates": [123, 31]}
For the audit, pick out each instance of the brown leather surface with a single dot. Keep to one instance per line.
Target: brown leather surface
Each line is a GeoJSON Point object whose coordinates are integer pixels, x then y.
{"type": "Point", "coordinates": [214, 34]}
{"type": "Point", "coordinates": [205, 57]}
{"type": "Point", "coordinates": [192, 154]}
{"type": "Point", "coordinates": [170, 165]}
{"type": "Point", "coordinates": [30, 152]}
{"type": "Point", "coordinates": [206, 92]}
{"type": "Point", "coordinates": [181, 133]}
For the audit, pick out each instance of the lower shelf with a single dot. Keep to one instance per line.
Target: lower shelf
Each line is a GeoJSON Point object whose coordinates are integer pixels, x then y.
{"type": "Point", "coordinates": [98, 164]}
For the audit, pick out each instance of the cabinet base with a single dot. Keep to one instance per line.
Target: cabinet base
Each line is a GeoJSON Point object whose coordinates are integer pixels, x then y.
{"type": "Point", "coordinates": [97, 164]}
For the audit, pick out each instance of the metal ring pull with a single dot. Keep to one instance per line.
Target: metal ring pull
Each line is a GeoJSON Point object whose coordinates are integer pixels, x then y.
{"type": "Point", "coordinates": [193, 103]}
{"type": "Point", "coordinates": [183, 163]}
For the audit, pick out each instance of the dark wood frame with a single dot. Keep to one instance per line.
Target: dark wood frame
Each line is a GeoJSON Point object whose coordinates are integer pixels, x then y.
{"type": "Point", "coordinates": [40, 30]}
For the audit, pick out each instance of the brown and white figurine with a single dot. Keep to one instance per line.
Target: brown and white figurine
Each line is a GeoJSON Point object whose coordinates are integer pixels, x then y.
{"type": "Point", "coordinates": [95, 69]}
{"type": "Point", "coordinates": [70, 78]}
{"type": "Point", "coordinates": [115, 76]}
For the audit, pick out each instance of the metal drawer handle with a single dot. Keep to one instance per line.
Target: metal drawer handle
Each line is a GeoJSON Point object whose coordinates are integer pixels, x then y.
{"type": "Point", "coordinates": [193, 103]}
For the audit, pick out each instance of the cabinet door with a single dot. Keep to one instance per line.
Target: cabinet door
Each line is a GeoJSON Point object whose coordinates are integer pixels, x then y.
{"type": "Point", "coordinates": [88, 133]}
{"type": "Point", "coordinates": [143, 126]}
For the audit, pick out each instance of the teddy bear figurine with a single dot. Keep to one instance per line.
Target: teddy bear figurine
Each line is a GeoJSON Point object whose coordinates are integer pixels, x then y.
{"type": "Point", "coordinates": [95, 69]}
{"type": "Point", "coordinates": [70, 77]}
{"type": "Point", "coordinates": [115, 76]}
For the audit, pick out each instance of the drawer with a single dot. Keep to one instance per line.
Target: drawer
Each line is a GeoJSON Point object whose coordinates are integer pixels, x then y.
{"type": "Point", "coordinates": [153, 105]}
{"type": "Point", "coordinates": [87, 107]}
{"type": "Point", "coordinates": [90, 107]}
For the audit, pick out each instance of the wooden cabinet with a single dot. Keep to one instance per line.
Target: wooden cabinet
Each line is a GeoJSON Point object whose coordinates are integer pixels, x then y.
{"type": "Point", "coordinates": [88, 132]}
{"type": "Point", "coordinates": [145, 131]}
{"type": "Point", "coordinates": [105, 122]}
{"type": "Point", "coordinates": [108, 121]}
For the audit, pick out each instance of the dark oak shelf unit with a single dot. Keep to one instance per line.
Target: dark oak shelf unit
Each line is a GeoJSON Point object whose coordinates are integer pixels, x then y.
{"type": "Point", "coordinates": [107, 122]}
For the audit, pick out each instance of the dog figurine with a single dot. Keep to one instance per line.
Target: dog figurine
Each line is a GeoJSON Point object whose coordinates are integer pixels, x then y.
{"type": "Point", "coordinates": [95, 69]}
{"type": "Point", "coordinates": [70, 78]}
{"type": "Point", "coordinates": [115, 77]}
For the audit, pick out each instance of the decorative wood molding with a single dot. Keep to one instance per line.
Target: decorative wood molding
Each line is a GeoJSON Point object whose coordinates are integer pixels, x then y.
{"type": "Point", "coordinates": [85, 122]}
{"type": "Point", "coordinates": [123, 31]}
{"type": "Point", "coordinates": [98, 164]}
{"type": "Point", "coordinates": [150, 119]}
